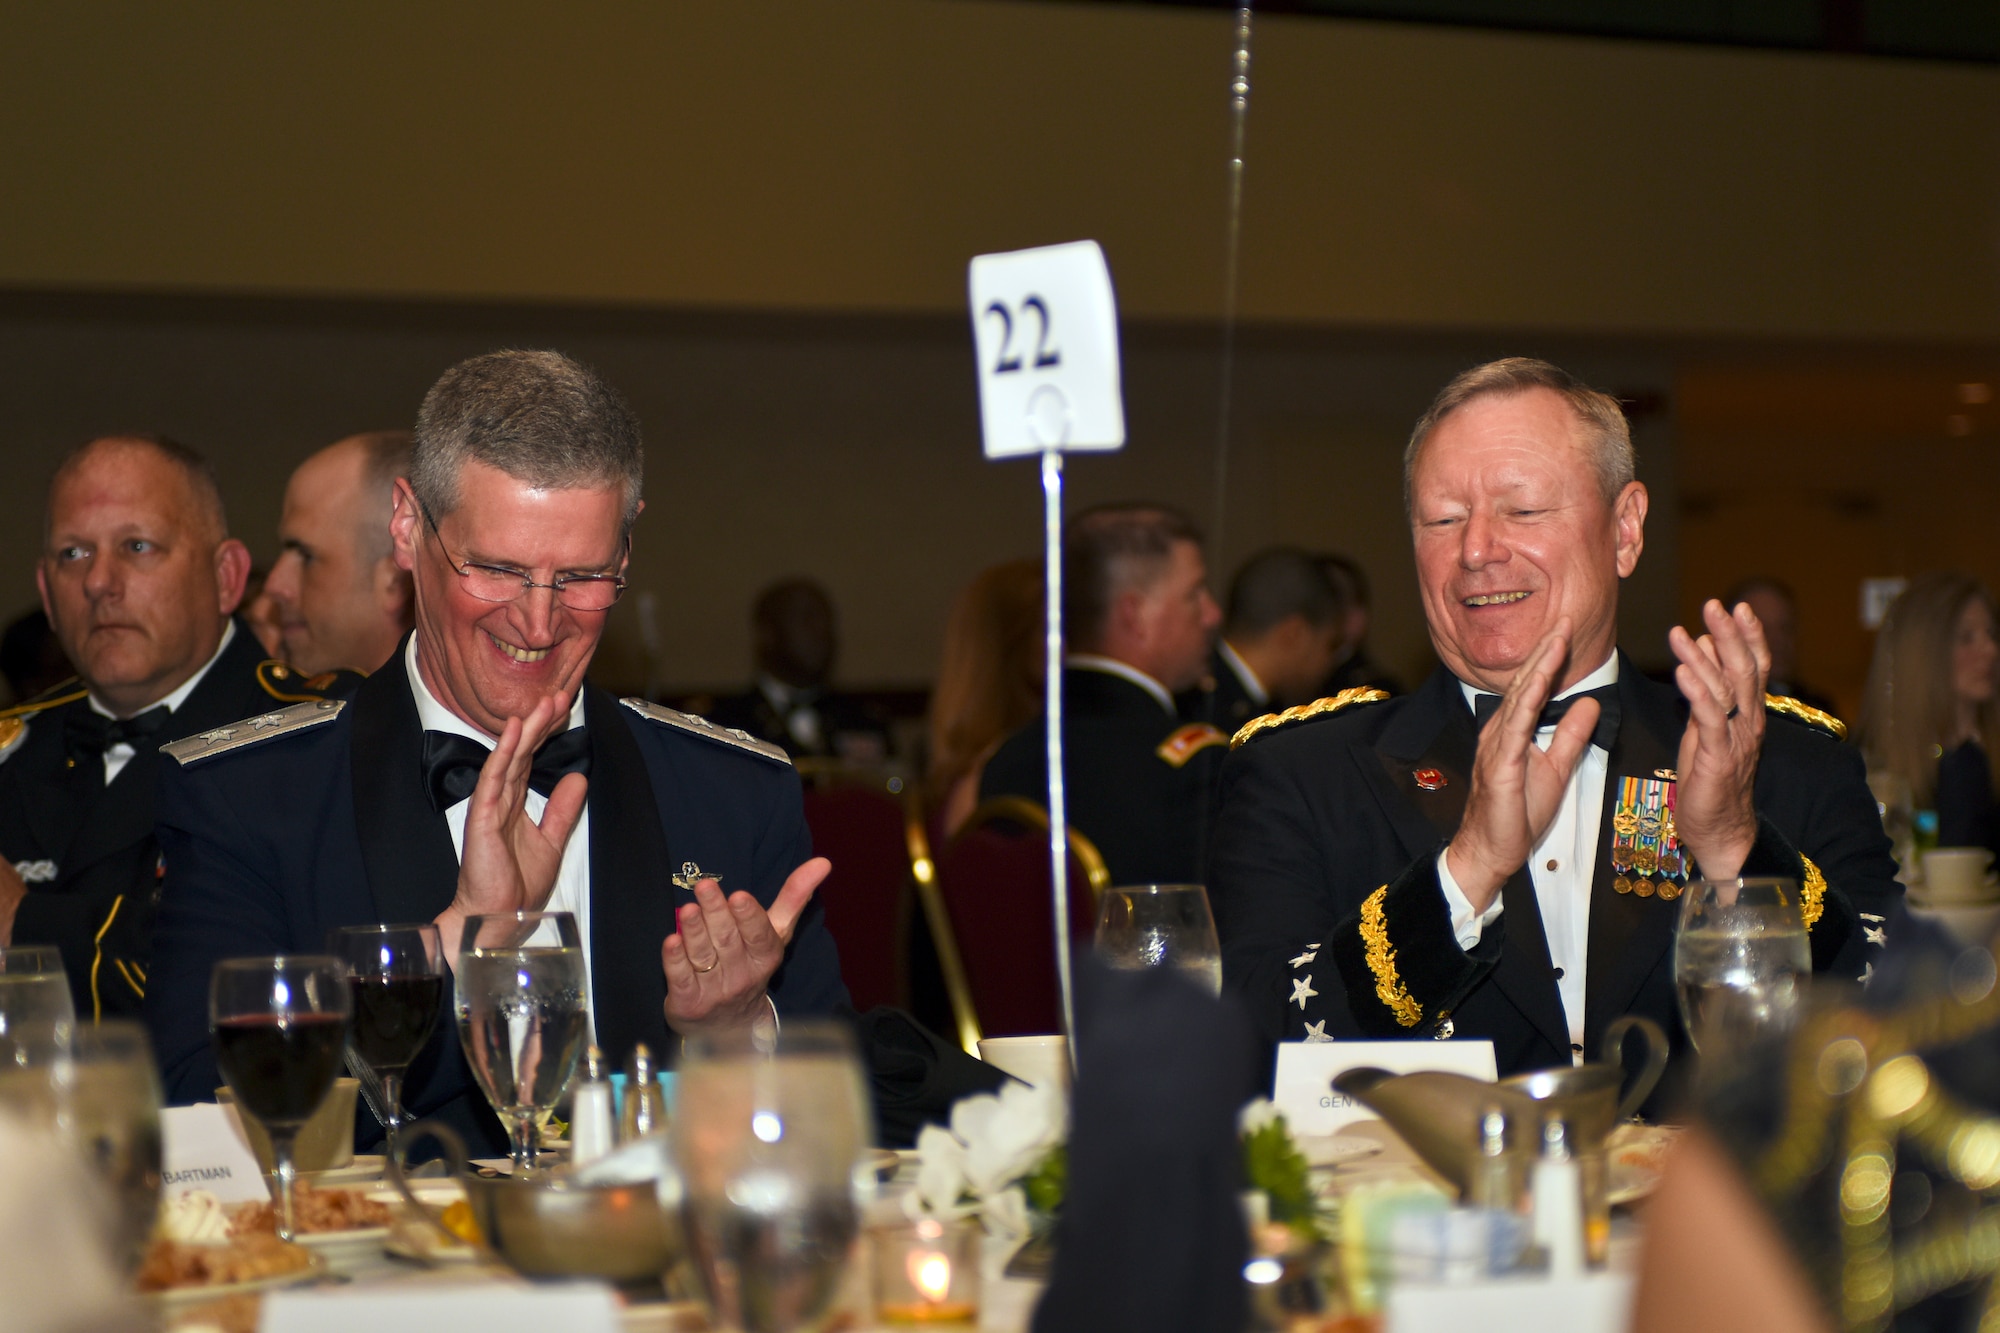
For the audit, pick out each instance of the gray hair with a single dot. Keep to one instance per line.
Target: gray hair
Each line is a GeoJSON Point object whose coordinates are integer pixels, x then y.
{"type": "Point", "coordinates": [539, 417]}
{"type": "Point", "coordinates": [1607, 436]}
{"type": "Point", "coordinates": [1112, 549]}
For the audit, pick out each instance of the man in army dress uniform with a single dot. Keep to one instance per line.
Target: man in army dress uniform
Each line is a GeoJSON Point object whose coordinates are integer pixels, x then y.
{"type": "Point", "coordinates": [1280, 636]}
{"type": "Point", "coordinates": [477, 772]}
{"type": "Point", "coordinates": [1138, 618]}
{"type": "Point", "coordinates": [1387, 868]}
{"type": "Point", "coordinates": [140, 580]}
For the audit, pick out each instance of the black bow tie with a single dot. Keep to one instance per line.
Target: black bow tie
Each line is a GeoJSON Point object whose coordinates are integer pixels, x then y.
{"type": "Point", "coordinates": [452, 763]}
{"type": "Point", "coordinates": [88, 732]}
{"type": "Point", "coordinates": [1485, 706]}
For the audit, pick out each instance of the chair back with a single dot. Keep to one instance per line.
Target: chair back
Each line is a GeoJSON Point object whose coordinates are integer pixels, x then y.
{"type": "Point", "coordinates": [993, 878]}
{"type": "Point", "coordinates": [859, 827]}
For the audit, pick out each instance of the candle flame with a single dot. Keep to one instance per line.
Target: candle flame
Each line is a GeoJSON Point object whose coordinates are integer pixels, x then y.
{"type": "Point", "coordinates": [930, 1273]}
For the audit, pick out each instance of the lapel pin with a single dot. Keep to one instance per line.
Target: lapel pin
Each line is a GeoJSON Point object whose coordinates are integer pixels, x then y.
{"type": "Point", "coordinates": [690, 872]}
{"type": "Point", "coordinates": [1429, 779]}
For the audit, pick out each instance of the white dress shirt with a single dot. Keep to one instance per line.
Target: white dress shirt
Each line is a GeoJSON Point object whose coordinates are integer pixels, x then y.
{"type": "Point", "coordinates": [1251, 685]}
{"type": "Point", "coordinates": [119, 755]}
{"type": "Point", "coordinates": [1561, 866]}
{"type": "Point", "coordinates": [572, 890]}
{"type": "Point", "coordinates": [1125, 670]}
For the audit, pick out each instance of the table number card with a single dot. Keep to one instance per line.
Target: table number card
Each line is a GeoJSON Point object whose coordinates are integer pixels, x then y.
{"type": "Point", "coordinates": [202, 1147]}
{"type": "Point", "coordinates": [1303, 1090]}
{"type": "Point", "coordinates": [1045, 324]}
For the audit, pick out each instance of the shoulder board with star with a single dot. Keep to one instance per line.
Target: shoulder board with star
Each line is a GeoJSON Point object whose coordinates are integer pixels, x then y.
{"type": "Point", "coordinates": [253, 730]}
{"type": "Point", "coordinates": [1257, 726]}
{"type": "Point", "coordinates": [1188, 742]}
{"type": "Point", "coordinates": [1786, 706]}
{"type": "Point", "coordinates": [14, 721]}
{"type": "Point", "coordinates": [708, 731]}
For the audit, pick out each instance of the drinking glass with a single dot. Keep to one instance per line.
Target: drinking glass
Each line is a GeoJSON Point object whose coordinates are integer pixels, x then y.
{"type": "Point", "coordinates": [769, 1135]}
{"type": "Point", "coordinates": [36, 1012]}
{"type": "Point", "coordinates": [1160, 925]}
{"type": "Point", "coordinates": [396, 974]}
{"type": "Point", "coordinates": [522, 1015]}
{"type": "Point", "coordinates": [279, 1025]}
{"type": "Point", "coordinates": [1741, 962]}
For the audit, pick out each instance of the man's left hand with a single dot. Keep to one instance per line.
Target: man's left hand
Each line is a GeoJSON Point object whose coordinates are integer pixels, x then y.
{"type": "Point", "coordinates": [721, 959]}
{"type": "Point", "coordinates": [1722, 674]}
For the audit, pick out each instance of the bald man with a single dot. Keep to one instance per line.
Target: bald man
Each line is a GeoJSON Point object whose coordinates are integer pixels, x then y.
{"type": "Point", "coordinates": [140, 581]}
{"type": "Point", "coordinates": [339, 597]}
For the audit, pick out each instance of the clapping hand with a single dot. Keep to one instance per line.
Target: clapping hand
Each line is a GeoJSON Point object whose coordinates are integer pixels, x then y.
{"type": "Point", "coordinates": [1722, 674]}
{"type": "Point", "coordinates": [510, 861]}
{"type": "Point", "coordinates": [720, 960]}
{"type": "Point", "coordinates": [1517, 787]}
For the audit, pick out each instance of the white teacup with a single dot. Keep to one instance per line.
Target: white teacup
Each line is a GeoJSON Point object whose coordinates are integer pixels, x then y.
{"type": "Point", "coordinates": [1033, 1060]}
{"type": "Point", "coordinates": [1957, 874]}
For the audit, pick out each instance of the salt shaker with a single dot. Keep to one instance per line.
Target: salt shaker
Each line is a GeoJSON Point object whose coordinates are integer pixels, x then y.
{"type": "Point", "coordinates": [1557, 1190]}
{"type": "Point", "coordinates": [1495, 1178]}
{"type": "Point", "coordinates": [645, 1104]}
{"type": "Point", "coordinates": [590, 1123]}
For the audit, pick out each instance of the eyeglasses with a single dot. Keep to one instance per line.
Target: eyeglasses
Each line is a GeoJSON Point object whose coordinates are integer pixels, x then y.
{"type": "Point", "coordinates": [503, 583]}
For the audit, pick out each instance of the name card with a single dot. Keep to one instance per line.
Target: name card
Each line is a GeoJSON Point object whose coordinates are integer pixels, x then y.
{"type": "Point", "coordinates": [1303, 1089]}
{"type": "Point", "coordinates": [1593, 1303]}
{"type": "Point", "coordinates": [202, 1147]}
{"type": "Point", "coordinates": [1045, 326]}
{"type": "Point", "coordinates": [574, 1308]}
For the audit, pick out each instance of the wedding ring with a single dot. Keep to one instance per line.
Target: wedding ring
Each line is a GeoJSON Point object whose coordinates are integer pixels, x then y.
{"type": "Point", "coordinates": [711, 965]}
{"type": "Point", "coordinates": [1730, 716]}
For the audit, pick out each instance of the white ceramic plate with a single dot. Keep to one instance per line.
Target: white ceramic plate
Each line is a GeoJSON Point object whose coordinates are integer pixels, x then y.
{"type": "Point", "coordinates": [1328, 1150]}
{"type": "Point", "coordinates": [344, 1247]}
{"type": "Point", "coordinates": [1636, 1158]}
{"type": "Point", "coordinates": [180, 1297]}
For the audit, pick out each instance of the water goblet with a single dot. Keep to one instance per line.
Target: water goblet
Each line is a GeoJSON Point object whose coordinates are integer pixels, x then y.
{"type": "Point", "coordinates": [522, 1016]}
{"type": "Point", "coordinates": [1741, 962]}
{"type": "Point", "coordinates": [1160, 925]}
{"type": "Point", "coordinates": [397, 976]}
{"type": "Point", "coordinates": [278, 1025]}
{"type": "Point", "coordinates": [36, 1012]}
{"type": "Point", "coordinates": [769, 1137]}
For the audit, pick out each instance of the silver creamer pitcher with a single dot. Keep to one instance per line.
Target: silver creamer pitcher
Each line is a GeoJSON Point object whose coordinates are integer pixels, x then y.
{"type": "Point", "coordinates": [1438, 1114]}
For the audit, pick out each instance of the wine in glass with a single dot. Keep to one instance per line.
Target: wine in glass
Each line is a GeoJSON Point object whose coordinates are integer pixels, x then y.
{"type": "Point", "coordinates": [522, 1015]}
{"type": "Point", "coordinates": [1741, 962]}
{"type": "Point", "coordinates": [1160, 925]}
{"type": "Point", "coordinates": [36, 1012]}
{"type": "Point", "coordinates": [278, 1025]}
{"type": "Point", "coordinates": [768, 1136]}
{"type": "Point", "coordinates": [396, 974]}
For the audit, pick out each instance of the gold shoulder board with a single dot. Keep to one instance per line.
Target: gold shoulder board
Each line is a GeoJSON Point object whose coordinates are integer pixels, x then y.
{"type": "Point", "coordinates": [1188, 742]}
{"type": "Point", "coordinates": [1361, 694]}
{"type": "Point", "coordinates": [1806, 713]}
{"type": "Point", "coordinates": [252, 730]}
{"type": "Point", "coordinates": [708, 731]}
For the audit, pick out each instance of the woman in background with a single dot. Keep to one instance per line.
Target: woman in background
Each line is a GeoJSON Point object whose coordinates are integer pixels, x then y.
{"type": "Point", "coordinates": [989, 682]}
{"type": "Point", "coordinates": [1932, 714]}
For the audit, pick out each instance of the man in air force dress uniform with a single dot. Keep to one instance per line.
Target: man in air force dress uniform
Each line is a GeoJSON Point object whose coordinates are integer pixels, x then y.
{"type": "Point", "coordinates": [681, 848]}
{"type": "Point", "coordinates": [1386, 868]}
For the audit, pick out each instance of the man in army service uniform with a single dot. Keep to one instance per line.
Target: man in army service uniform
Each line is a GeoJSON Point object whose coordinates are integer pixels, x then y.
{"type": "Point", "coordinates": [1138, 617]}
{"type": "Point", "coordinates": [477, 772]}
{"type": "Point", "coordinates": [140, 580]}
{"type": "Point", "coordinates": [1388, 868]}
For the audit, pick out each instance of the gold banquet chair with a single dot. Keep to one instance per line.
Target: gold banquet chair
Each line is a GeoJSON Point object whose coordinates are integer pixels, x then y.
{"type": "Point", "coordinates": [986, 899]}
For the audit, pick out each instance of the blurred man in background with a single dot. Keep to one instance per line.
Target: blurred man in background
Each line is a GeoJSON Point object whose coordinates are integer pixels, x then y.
{"type": "Point", "coordinates": [1138, 619]}
{"type": "Point", "coordinates": [1280, 639]}
{"type": "Point", "coordinates": [140, 580]}
{"type": "Point", "coordinates": [337, 594]}
{"type": "Point", "coordinates": [1356, 668]}
{"type": "Point", "coordinates": [1776, 607]}
{"type": "Point", "coordinates": [796, 638]}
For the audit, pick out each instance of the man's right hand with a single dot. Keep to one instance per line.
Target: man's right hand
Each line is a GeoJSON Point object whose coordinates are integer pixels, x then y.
{"type": "Point", "coordinates": [509, 862]}
{"type": "Point", "coordinates": [1517, 787]}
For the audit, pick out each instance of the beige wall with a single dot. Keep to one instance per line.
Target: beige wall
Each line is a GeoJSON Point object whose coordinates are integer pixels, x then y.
{"type": "Point", "coordinates": [796, 154]}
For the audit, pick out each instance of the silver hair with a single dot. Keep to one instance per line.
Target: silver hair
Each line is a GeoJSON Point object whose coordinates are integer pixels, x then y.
{"type": "Point", "coordinates": [1606, 434]}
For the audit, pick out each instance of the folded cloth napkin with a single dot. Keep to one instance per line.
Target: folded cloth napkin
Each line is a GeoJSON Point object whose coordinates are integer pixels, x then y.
{"type": "Point", "coordinates": [915, 1074]}
{"type": "Point", "coordinates": [1152, 1235]}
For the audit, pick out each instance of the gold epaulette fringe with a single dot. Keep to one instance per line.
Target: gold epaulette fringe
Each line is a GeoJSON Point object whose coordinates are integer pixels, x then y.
{"type": "Point", "coordinates": [1806, 713]}
{"type": "Point", "coordinates": [1361, 694]}
{"type": "Point", "coordinates": [1389, 988]}
{"type": "Point", "coordinates": [1812, 895]}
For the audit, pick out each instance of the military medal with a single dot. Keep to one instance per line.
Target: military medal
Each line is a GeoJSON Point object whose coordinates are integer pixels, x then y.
{"type": "Point", "coordinates": [690, 874]}
{"type": "Point", "coordinates": [1430, 779]}
{"type": "Point", "coordinates": [1644, 843]}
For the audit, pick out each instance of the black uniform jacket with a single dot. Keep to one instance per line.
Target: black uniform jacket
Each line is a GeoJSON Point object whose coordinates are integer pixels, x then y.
{"type": "Point", "coordinates": [1222, 699]}
{"type": "Point", "coordinates": [270, 846]}
{"type": "Point", "coordinates": [86, 850]}
{"type": "Point", "coordinates": [1138, 782]}
{"type": "Point", "coordinates": [1325, 886]}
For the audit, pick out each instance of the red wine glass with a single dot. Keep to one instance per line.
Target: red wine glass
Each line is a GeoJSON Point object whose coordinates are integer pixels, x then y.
{"type": "Point", "coordinates": [278, 1025]}
{"type": "Point", "coordinates": [396, 975]}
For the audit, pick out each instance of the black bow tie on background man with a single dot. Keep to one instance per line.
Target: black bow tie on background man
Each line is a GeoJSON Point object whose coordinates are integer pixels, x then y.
{"type": "Point", "coordinates": [452, 763]}
{"type": "Point", "coordinates": [1484, 706]}
{"type": "Point", "coordinates": [89, 732]}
